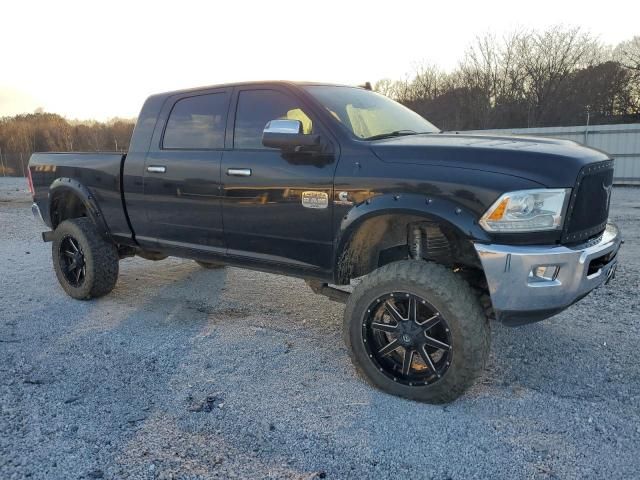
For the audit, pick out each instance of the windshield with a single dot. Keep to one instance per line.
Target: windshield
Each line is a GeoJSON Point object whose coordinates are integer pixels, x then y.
{"type": "Point", "coordinates": [369, 115]}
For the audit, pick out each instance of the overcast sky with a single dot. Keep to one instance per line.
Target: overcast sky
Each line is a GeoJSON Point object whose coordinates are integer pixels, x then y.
{"type": "Point", "coordinates": [100, 59]}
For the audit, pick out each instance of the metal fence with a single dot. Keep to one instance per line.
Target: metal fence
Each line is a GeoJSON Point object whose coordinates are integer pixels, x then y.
{"type": "Point", "coordinates": [621, 141]}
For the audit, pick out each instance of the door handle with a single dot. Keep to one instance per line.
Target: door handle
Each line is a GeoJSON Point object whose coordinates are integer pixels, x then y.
{"type": "Point", "coordinates": [156, 169]}
{"type": "Point", "coordinates": [239, 172]}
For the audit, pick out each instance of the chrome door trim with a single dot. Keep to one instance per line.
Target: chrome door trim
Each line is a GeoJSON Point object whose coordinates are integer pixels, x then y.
{"type": "Point", "coordinates": [239, 172]}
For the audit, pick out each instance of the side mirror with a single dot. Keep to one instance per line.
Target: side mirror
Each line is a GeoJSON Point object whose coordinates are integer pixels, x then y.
{"type": "Point", "coordinates": [287, 135]}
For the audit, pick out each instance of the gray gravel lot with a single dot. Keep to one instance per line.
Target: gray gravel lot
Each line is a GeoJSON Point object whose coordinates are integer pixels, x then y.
{"type": "Point", "coordinates": [188, 373]}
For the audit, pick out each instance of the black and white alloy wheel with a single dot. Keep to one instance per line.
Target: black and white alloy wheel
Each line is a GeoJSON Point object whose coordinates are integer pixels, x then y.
{"type": "Point", "coordinates": [407, 338]}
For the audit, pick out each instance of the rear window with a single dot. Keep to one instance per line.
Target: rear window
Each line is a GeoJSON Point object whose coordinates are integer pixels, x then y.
{"type": "Point", "coordinates": [197, 123]}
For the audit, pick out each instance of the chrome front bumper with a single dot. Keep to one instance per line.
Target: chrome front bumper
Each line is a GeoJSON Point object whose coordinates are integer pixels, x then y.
{"type": "Point", "coordinates": [523, 291]}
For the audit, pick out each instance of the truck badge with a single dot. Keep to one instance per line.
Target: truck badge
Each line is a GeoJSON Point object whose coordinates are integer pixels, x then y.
{"type": "Point", "coordinates": [315, 200]}
{"type": "Point", "coordinates": [343, 199]}
{"type": "Point", "coordinates": [607, 189]}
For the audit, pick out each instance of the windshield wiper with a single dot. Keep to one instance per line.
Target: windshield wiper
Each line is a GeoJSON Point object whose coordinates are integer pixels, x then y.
{"type": "Point", "coordinates": [395, 133]}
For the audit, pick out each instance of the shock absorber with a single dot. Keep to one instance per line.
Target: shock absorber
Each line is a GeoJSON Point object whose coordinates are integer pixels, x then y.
{"type": "Point", "coordinates": [415, 245]}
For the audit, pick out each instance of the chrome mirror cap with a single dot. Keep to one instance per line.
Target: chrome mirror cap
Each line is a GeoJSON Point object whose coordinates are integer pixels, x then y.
{"type": "Point", "coordinates": [291, 127]}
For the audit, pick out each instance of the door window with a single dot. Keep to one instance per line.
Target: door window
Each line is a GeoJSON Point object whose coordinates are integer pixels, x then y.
{"type": "Point", "coordinates": [258, 107]}
{"type": "Point", "coordinates": [197, 123]}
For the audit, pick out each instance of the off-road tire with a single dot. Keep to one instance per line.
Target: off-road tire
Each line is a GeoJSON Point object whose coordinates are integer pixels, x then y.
{"type": "Point", "coordinates": [457, 302]}
{"type": "Point", "coordinates": [100, 259]}
{"type": "Point", "coordinates": [210, 265]}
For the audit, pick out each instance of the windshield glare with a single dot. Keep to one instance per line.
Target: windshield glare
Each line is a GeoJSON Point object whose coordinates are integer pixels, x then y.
{"type": "Point", "coordinates": [367, 114]}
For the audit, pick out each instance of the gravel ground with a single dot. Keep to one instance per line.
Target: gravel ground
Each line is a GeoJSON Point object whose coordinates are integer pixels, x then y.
{"type": "Point", "coordinates": [189, 373]}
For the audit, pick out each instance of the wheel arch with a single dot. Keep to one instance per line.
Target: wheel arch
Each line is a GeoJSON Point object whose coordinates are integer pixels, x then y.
{"type": "Point", "coordinates": [68, 198]}
{"type": "Point", "coordinates": [376, 232]}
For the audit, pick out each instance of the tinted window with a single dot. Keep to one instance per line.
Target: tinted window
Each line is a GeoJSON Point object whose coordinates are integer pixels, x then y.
{"type": "Point", "coordinates": [258, 107]}
{"type": "Point", "coordinates": [197, 122]}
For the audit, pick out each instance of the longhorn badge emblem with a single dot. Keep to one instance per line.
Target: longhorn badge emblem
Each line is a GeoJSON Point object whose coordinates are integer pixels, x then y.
{"type": "Point", "coordinates": [607, 189]}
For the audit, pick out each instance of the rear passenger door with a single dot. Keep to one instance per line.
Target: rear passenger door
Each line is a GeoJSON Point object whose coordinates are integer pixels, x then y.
{"type": "Point", "coordinates": [277, 206]}
{"type": "Point", "coordinates": [182, 171]}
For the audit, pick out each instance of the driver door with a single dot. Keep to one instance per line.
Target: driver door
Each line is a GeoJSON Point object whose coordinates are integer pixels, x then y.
{"type": "Point", "coordinates": [267, 214]}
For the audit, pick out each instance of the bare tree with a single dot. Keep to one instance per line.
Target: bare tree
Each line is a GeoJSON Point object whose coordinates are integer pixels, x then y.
{"type": "Point", "coordinates": [548, 59]}
{"type": "Point", "coordinates": [493, 70]}
{"type": "Point", "coordinates": [387, 87]}
{"type": "Point", "coordinates": [628, 54]}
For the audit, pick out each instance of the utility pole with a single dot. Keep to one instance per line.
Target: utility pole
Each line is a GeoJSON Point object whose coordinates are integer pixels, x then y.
{"type": "Point", "coordinates": [4, 172]}
{"type": "Point", "coordinates": [586, 128]}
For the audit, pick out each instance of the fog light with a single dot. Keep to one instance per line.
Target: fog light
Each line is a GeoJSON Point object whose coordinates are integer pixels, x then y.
{"type": "Point", "coordinates": [544, 273]}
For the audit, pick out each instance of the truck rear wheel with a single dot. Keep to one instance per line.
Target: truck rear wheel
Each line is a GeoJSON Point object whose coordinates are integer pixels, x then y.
{"type": "Point", "coordinates": [416, 330]}
{"type": "Point", "coordinates": [85, 263]}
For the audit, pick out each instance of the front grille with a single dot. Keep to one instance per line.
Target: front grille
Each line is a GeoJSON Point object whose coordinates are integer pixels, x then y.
{"type": "Point", "coordinates": [589, 205]}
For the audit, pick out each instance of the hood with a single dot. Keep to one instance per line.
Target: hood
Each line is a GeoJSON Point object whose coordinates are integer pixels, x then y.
{"type": "Point", "coordinates": [550, 162]}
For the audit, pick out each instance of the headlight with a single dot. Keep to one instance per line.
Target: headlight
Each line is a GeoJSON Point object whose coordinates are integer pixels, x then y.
{"type": "Point", "coordinates": [527, 211]}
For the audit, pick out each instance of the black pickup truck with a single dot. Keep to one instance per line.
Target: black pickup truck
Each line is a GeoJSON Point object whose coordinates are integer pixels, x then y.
{"type": "Point", "coordinates": [435, 232]}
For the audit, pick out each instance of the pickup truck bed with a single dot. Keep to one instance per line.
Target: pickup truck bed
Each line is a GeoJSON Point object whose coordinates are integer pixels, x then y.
{"type": "Point", "coordinates": [97, 174]}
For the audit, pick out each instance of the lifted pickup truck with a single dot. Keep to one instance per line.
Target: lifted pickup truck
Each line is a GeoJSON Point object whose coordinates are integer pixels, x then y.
{"type": "Point", "coordinates": [437, 232]}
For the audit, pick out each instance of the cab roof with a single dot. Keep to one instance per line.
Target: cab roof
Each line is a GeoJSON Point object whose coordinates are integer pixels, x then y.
{"type": "Point", "coordinates": [255, 82]}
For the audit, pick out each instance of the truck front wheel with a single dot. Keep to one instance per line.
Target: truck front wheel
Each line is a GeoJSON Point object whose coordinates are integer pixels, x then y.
{"type": "Point", "coordinates": [417, 330]}
{"type": "Point", "coordinates": [86, 264]}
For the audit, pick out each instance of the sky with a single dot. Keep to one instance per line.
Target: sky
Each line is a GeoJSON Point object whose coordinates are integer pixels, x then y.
{"type": "Point", "coordinates": [100, 59]}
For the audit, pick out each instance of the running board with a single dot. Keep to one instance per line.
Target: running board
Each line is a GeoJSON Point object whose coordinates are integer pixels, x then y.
{"type": "Point", "coordinates": [331, 293]}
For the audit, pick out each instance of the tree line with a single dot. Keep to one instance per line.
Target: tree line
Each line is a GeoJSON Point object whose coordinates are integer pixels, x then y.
{"type": "Point", "coordinates": [22, 135]}
{"type": "Point", "coordinates": [560, 76]}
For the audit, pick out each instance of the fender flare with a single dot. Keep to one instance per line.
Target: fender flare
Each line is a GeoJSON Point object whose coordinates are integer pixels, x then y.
{"type": "Point", "coordinates": [64, 185]}
{"type": "Point", "coordinates": [436, 209]}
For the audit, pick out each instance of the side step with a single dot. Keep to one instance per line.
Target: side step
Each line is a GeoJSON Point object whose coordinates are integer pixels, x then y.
{"type": "Point", "coordinates": [331, 293]}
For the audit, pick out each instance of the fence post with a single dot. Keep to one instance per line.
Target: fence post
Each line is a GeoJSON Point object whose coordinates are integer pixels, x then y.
{"type": "Point", "coordinates": [586, 128]}
{"type": "Point", "coordinates": [586, 135]}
